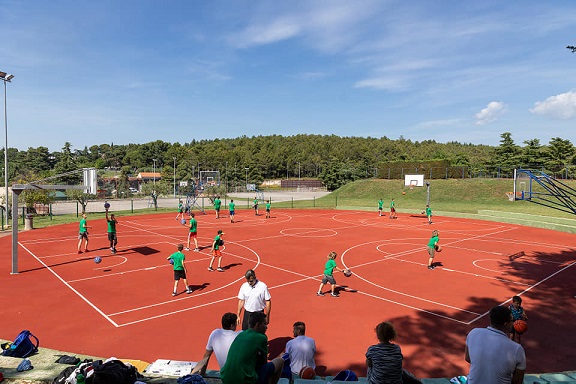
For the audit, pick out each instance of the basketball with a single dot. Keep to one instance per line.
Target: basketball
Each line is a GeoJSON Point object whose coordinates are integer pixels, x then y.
{"type": "Point", "coordinates": [403, 193]}
{"type": "Point", "coordinates": [438, 248]}
{"type": "Point", "coordinates": [347, 273]}
{"type": "Point", "coordinates": [97, 259]}
{"type": "Point", "coordinates": [423, 212]}
{"type": "Point", "coordinates": [171, 261]}
{"type": "Point", "coordinates": [307, 373]}
{"type": "Point", "coordinates": [520, 326]}
{"type": "Point", "coordinates": [183, 221]}
{"type": "Point", "coordinates": [106, 205]}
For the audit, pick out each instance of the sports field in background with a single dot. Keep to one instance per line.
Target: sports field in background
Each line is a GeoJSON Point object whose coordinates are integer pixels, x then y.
{"type": "Point", "coordinates": [123, 306]}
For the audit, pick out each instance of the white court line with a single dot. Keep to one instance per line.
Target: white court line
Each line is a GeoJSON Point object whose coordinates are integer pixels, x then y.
{"type": "Point", "coordinates": [528, 289]}
{"type": "Point", "coordinates": [71, 288]}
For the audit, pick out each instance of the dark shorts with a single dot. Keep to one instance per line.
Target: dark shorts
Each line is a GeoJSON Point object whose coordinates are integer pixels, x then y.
{"type": "Point", "coordinates": [112, 236]}
{"type": "Point", "coordinates": [392, 209]}
{"type": "Point", "coordinates": [265, 372]}
{"type": "Point", "coordinates": [255, 206]}
{"type": "Point", "coordinates": [246, 319]}
{"type": "Point", "coordinates": [83, 235]}
{"type": "Point", "coordinates": [267, 209]}
{"type": "Point", "coordinates": [217, 209]}
{"type": "Point", "coordinates": [328, 279]}
{"type": "Point", "coordinates": [179, 274]}
{"type": "Point", "coordinates": [192, 234]}
{"type": "Point", "coordinates": [231, 213]}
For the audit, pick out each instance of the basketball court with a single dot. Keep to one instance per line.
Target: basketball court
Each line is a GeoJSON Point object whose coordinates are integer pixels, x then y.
{"type": "Point", "coordinates": [123, 306]}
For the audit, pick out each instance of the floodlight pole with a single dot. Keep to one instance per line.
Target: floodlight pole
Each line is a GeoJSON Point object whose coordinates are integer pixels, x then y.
{"type": "Point", "coordinates": [154, 174]}
{"type": "Point", "coordinates": [246, 169]}
{"type": "Point", "coordinates": [174, 176]}
{"type": "Point", "coordinates": [6, 78]}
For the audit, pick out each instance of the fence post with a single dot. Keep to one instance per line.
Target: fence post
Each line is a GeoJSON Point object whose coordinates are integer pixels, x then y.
{"type": "Point", "coordinates": [2, 219]}
{"type": "Point", "coordinates": [292, 201]}
{"type": "Point", "coordinates": [23, 216]}
{"type": "Point", "coordinates": [314, 202]}
{"type": "Point", "coordinates": [132, 205]}
{"type": "Point", "coordinates": [50, 210]}
{"type": "Point", "coordinates": [336, 201]}
{"type": "Point", "coordinates": [77, 213]}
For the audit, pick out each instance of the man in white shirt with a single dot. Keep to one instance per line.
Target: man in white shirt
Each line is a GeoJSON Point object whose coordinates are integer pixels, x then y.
{"type": "Point", "coordinates": [493, 357]}
{"type": "Point", "coordinates": [301, 349]}
{"type": "Point", "coordinates": [253, 297]}
{"type": "Point", "coordinates": [219, 343]}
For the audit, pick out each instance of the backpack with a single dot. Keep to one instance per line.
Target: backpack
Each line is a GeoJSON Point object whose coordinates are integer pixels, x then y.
{"type": "Point", "coordinates": [346, 375]}
{"type": "Point", "coordinates": [191, 379]}
{"type": "Point", "coordinates": [113, 372]}
{"type": "Point", "coordinates": [22, 345]}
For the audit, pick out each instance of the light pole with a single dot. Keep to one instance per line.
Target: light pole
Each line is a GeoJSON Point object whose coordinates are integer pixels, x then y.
{"type": "Point", "coordinates": [298, 170]}
{"type": "Point", "coordinates": [154, 174]}
{"type": "Point", "coordinates": [174, 176]}
{"type": "Point", "coordinates": [246, 169]}
{"type": "Point", "coordinates": [7, 78]}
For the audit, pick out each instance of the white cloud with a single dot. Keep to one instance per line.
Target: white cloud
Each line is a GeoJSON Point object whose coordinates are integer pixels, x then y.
{"type": "Point", "coordinates": [491, 113]}
{"type": "Point", "coordinates": [562, 106]}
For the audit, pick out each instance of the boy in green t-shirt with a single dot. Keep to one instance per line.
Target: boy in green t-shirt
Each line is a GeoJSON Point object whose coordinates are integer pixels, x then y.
{"type": "Point", "coordinates": [217, 205]}
{"type": "Point", "coordinates": [268, 205]}
{"type": "Point", "coordinates": [429, 213]}
{"type": "Point", "coordinates": [232, 207]}
{"type": "Point", "coordinates": [216, 253]}
{"type": "Point", "coordinates": [329, 268]}
{"type": "Point", "coordinates": [255, 206]}
{"type": "Point", "coordinates": [179, 269]}
{"type": "Point", "coordinates": [83, 234]}
{"type": "Point", "coordinates": [193, 233]}
{"type": "Point", "coordinates": [432, 248]}
{"type": "Point", "coordinates": [112, 238]}
{"type": "Point", "coordinates": [380, 207]}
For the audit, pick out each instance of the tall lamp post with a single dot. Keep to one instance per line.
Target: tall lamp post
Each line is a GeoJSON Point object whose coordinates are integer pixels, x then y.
{"type": "Point", "coordinates": [246, 169]}
{"type": "Point", "coordinates": [154, 174]}
{"type": "Point", "coordinates": [174, 176]}
{"type": "Point", "coordinates": [6, 78]}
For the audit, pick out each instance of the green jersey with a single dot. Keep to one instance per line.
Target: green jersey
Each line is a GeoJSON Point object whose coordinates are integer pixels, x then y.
{"type": "Point", "coordinates": [178, 258]}
{"type": "Point", "coordinates": [268, 206]}
{"type": "Point", "coordinates": [217, 242]}
{"type": "Point", "coordinates": [232, 206]}
{"type": "Point", "coordinates": [329, 267]}
{"type": "Point", "coordinates": [111, 226]}
{"type": "Point", "coordinates": [83, 225]}
{"type": "Point", "coordinates": [248, 351]}
{"type": "Point", "coordinates": [380, 204]}
{"type": "Point", "coordinates": [193, 225]}
{"type": "Point", "coordinates": [217, 203]}
{"type": "Point", "coordinates": [433, 241]}
{"type": "Point", "coordinates": [428, 211]}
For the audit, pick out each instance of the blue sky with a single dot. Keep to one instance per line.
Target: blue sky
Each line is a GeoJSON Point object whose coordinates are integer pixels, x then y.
{"type": "Point", "coordinates": [95, 72]}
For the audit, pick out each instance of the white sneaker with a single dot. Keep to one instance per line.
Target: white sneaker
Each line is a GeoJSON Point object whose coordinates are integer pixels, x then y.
{"type": "Point", "coordinates": [186, 249]}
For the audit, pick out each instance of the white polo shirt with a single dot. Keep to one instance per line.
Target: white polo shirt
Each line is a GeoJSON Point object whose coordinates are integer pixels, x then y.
{"type": "Point", "coordinates": [219, 342]}
{"type": "Point", "coordinates": [254, 297]}
{"type": "Point", "coordinates": [493, 356]}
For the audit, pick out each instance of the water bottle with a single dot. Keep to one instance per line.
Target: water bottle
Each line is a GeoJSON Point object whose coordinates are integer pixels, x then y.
{"type": "Point", "coordinates": [80, 379]}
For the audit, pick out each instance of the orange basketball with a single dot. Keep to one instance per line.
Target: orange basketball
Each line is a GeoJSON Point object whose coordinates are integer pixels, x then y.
{"type": "Point", "coordinates": [307, 373]}
{"type": "Point", "coordinates": [520, 326]}
{"type": "Point", "coordinates": [438, 248]}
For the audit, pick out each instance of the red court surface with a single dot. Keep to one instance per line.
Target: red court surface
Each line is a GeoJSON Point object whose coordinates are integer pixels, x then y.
{"type": "Point", "coordinates": [123, 307]}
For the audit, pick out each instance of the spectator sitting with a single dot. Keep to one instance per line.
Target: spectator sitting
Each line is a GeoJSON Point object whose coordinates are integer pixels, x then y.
{"type": "Point", "coordinates": [219, 343]}
{"type": "Point", "coordinates": [493, 357]}
{"type": "Point", "coordinates": [384, 360]}
{"type": "Point", "coordinates": [247, 361]}
{"type": "Point", "coordinates": [301, 349]}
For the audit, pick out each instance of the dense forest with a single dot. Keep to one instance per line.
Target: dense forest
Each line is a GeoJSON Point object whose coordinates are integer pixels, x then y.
{"type": "Point", "coordinates": [335, 160]}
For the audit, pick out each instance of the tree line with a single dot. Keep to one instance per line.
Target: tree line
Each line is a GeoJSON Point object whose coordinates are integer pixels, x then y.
{"type": "Point", "coordinates": [336, 160]}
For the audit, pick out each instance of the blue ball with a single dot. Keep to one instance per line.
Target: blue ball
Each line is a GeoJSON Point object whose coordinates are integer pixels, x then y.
{"type": "Point", "coordinates": [106, 205]}
{"type": "Point", "coordinates": [97, 259]}
{"type": "Point", "coordinates": [171, 261]}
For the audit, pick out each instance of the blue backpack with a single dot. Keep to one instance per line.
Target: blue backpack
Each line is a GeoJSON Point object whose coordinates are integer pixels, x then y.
{"type": "Point", "coordinates": [346, 375]}
{"type": "Point", "coordinates": [22, 345]}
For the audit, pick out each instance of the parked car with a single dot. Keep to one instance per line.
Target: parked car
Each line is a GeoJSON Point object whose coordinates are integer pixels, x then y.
{"type": "Point", "coordinates": [133, 190]}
